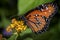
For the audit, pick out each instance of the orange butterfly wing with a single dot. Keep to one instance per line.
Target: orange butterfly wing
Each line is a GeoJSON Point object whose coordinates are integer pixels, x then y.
{"type": "Point", "coordinates": [36, 19]}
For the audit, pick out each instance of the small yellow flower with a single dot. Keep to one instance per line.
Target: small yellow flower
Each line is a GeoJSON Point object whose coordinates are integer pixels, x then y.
{"type": "Point", "coordinates": [22, 26]}
{"type": "Point", "coordinates": [25, 27]}
{"type": "Point", "coordinates": [13, 20]}
{"type": "Point", "coordinates": [17, 25]}
{"type": "Point", "coordinates": [12, 25]}
{"type": "Point", "coordinates": [21, 22]}
{"type": "Point", "coordinates": [8, 29]}
{"type": "Point", "coordinates": [18, 29]}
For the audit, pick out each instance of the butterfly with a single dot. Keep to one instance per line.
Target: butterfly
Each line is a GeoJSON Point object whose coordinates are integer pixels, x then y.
{"type": "Point", "coordinates": [38, 19]}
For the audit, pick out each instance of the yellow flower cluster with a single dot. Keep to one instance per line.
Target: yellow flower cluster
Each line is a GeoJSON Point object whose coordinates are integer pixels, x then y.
{"type": "Point", "coordinates": [17, 25]}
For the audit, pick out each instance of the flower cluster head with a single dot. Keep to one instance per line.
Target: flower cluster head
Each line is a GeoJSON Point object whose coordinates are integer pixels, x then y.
{"type": "Point", "coordinates": [16, 25]}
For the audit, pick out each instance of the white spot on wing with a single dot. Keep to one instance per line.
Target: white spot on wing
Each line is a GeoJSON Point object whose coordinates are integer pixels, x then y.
{"type": "Point", "coordinates": [42, 9]}
{"type": "Point", "coordinates": [46, 8]}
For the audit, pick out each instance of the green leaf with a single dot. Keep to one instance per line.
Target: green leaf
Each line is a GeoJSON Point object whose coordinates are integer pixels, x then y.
{"type": "Point", "coordinates": [5, 22]}
{"type": "Point", "coordinates": [28, 39]}
{"type": "Point", "coordinates": [26, 5]}
{"type": "Point", "coordinates": [27, 31]}
{"type": "Point", "coordinates": [14, 36]}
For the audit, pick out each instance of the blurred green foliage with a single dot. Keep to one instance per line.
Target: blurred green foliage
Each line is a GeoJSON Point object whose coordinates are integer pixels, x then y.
{"type": "Point", "coordinates": [13, 37]}
{"type": "Point", "coordinates": [26, 5]}
{"type": "Point", "coordinates": [9, 8]}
